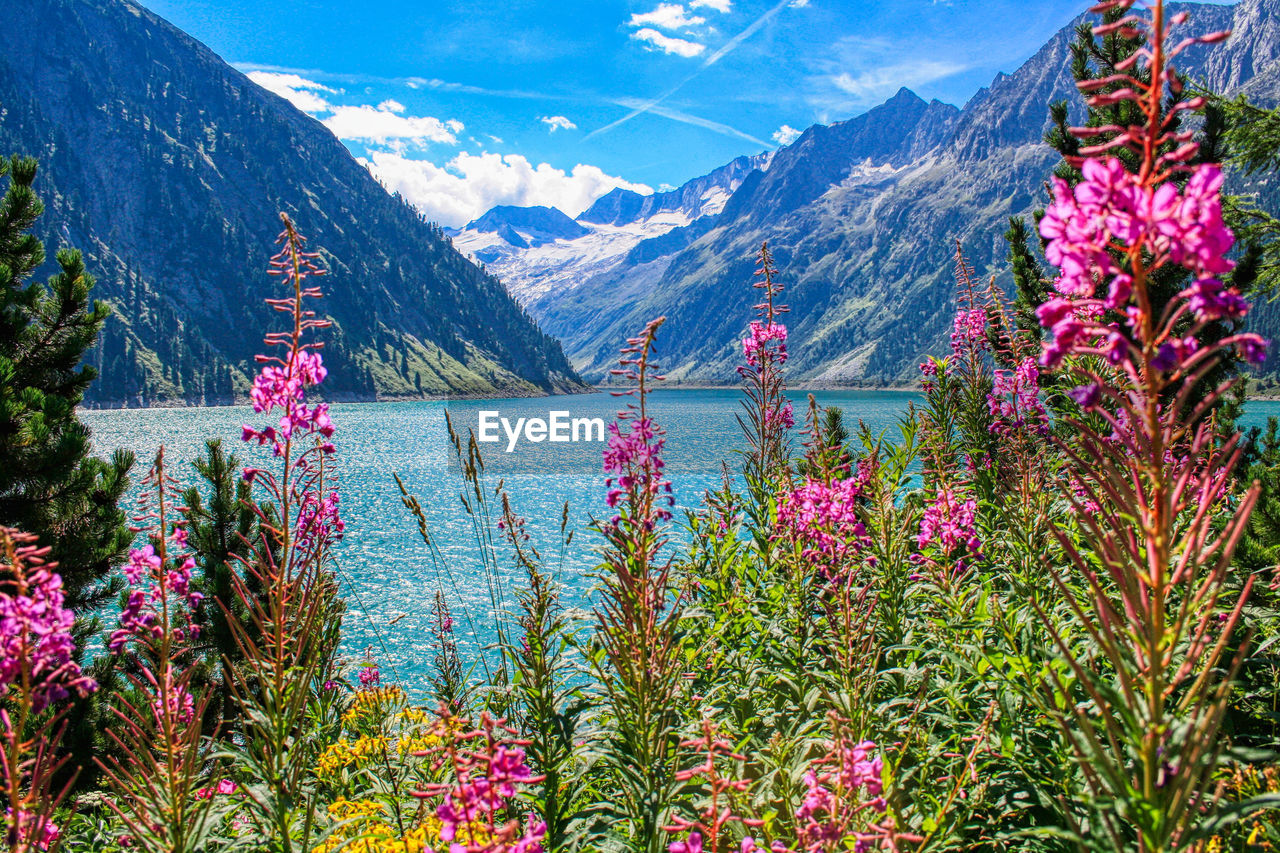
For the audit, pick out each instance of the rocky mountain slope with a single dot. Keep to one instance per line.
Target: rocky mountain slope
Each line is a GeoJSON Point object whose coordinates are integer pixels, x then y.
{"type": "Point", "coordinates": [862, 217]}
{"type": "Point", "coordinates": [167, 167]}
{"type": "Point", "coordinates": [539, 252]}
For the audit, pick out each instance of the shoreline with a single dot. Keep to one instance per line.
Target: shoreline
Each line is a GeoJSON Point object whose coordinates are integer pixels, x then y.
{"type": "Point", "coordinates": [501, 394]}
{"type": "Point", "coordinates": [1269, 397]}
{"type": "Point", "coordinates": [98, 406]}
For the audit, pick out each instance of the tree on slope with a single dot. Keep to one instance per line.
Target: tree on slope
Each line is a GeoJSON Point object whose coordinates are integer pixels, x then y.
{"type": "Point", "coordinates": [50, 484]}
{"type": "Point", "coordinates": [1105, 54]}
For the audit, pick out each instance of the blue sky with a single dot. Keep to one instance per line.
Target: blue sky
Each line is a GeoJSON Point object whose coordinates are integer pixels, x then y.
{"type": "Point", "coordinates": [463, 105]}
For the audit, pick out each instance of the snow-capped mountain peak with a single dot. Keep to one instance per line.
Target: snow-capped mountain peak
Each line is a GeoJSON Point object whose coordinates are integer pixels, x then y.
{"type": "Point", "coordinates": [537, 250]}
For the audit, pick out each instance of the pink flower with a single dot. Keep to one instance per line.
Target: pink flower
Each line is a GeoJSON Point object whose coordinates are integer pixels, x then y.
{"type": "Point", "coordinates": [832, 788]}
{"type": "Point", "coordinates": [180, 705]}
{"type": "Point", "coordinates": [949, 524]}
{"type": "Point", "coordinates": [1110, 211]}
{"type": "Point", "coordinates": [634, 462]}
{"type": "Point", "coordinates": [769, 339]}
{"type": "Point", "coordinates": [1014, 400]}
{"type": "Point", "coordinates": [969, 331]}
{"type": "Point", "coordinates": [33, 827]}
{"type": "Point", "coordinates": [282, 386]}
{"type": "Point", "coordinates": [485, 779]}
{"type": "Point", "coordinates": [143, 563]}
{"type": "Point", "coordinates": [36, 643]}
{"type": "Point", "coordinates": [824, 518]}
{"type": "Point", "coordinates": [693, 844]}
{"type": "Point", "coordinates": [318, 522]}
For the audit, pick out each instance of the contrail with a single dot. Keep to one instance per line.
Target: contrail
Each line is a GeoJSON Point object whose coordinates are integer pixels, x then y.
{"type": "Point", "coordinates": [696, 121]}
{"type": "Point", "coordinates": [411, 82]}
{"type": "Point", "coordinates": [725, 49]}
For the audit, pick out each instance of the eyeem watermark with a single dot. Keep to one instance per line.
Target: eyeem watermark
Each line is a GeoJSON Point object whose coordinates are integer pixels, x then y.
{"type": "Point", "coordinates": [557, 428]}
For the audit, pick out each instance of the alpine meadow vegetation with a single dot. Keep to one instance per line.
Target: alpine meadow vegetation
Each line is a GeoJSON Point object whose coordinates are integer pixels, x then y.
{"type": "Point", "coordinates": [1038, 615]}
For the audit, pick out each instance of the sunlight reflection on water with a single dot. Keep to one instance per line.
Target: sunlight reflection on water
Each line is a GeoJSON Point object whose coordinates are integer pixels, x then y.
{"type": "Point", "coordinates": [387, 571]}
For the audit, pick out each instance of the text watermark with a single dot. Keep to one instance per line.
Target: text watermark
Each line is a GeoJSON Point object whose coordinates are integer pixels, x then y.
{"type": "Point", "coordinates": [557, 428]}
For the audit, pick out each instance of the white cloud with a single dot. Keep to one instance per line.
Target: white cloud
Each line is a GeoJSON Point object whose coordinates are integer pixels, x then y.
{"type": "Point", "coordinates": [786, 135]}
{"type": "Point", "coordinates": [798, 4]}
{"type": "Point", "coordinates": [669, 16]}
{"type": "Point", "coordinates": [885, 80]}
{"type": "Point", "coordinates": [387, 124]}
{"type": "Point", "coordinates": [470, 184]}
{"type": "Point", "coordinates": [666, 44]}
{"type": "Point", "coordinates": [555, 123]}
{"type": "Point", "coordinates": [721, 6]}
{"type": "Point", "coordinates": [294, 88]}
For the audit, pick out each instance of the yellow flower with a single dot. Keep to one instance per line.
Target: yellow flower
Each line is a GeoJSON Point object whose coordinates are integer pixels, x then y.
{"type": "Point", "coordinates": [349, 753]}
{"type": "Point", "coordinates": [374, 705]}
{"type": "Point", "coordinates": [415, 716]}
{"type": "Point", "coordinates": [367, 826]}
{"type": "Point", "coordinates": [419, 742]}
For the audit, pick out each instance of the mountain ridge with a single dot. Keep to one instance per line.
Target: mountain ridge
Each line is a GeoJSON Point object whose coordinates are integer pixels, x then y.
{"type": "Point", "coordinates": [620, 224]}
{"type": "Point", "coordinates": [167, 167]}
{"type": "Point", "coordinates": [862, 216]}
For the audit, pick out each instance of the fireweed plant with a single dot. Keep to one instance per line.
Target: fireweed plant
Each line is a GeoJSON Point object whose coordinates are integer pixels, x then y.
{"type": "Point", "coordinates": [638, 662]}
{"type": "Point", "coordinates": [38, 676]}
{"type": "Point", "coordinates": [287, 587]}
{"type": "Point", "coordinates": [162, 755]}
{"type": "Point", "coordinates": [1158, 607]}
{"type": "Point", "coordinates": [1012, 623]}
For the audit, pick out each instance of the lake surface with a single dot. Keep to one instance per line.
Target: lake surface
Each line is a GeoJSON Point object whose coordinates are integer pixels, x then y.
{"type": "Point", "coordinates": [388, 574]}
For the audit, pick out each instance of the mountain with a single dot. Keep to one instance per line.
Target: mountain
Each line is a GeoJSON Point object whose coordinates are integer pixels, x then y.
{"type": "Point", "coordinates": [862, 217]}
{"type": "Point", "coordinates": [167, 167]}
{"type": "Point", "coordinates": [528, 226]}
{"type": "Point", "coordinates": [540, 252]}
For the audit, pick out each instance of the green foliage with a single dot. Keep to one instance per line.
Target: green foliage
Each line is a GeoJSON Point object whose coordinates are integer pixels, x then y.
{"type": "Point", "coordinates": [224, 526]}
{"type": "Point", "coordinates": [1252, 146]}
{"type": "Point", "coordinates": [50, 484]}
{"type": "Point", "coordinates": [1096, 58]}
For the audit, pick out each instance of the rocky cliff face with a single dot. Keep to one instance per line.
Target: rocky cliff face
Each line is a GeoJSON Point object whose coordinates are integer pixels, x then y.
{"type": "Point", "coordinates": [704, 196]}
{"type": "Point", "coordinates": [539, 252]}
{"type": "Point", "coordinates": [863, 217]}
{"type": "Point", "coordinates": [167, 168]}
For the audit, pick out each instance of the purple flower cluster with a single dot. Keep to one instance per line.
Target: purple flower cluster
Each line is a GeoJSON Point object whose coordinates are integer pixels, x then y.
{"type": "Point", "coordinates": [928, 375]}
{"type": "Point", "coordinates": [969, 331]}
{"type": "Point", "coordinates": [1113, 211]}
{"type": "Point", "coordinates": [825, 818]}
{"type": "Point", "coordinates": [783, 416]}
{"type": "Point", "coordinates": [485, 780]}
{"type": "Point", "coordinates": [1014, 400]}
{"type": "Point", "coordinates": [633, 461]}
{"type": "Point", "coordinates": [178, 701]}
{"type": "Point", "coordinates": [370, 676]}
{"type": "Point", "coordinates": [140, 617]}
{"type": "Point", "coordinates": [949, 524]}
{"type": "Point", "coordinates": [37, 828]}
{"type": "Point", "coordinates": [767, 338]}
{"type": "Point", "coordinates": [282, 386]}
{"type": "Point", "coordinates": [824, 518]}
{"type": "Point", "coordinates": [36, 645]}
{"type": "Point", "coordinates": [318, 522]}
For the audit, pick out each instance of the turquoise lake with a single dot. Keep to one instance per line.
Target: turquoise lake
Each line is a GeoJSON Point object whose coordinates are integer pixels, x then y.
{"type": "Point", "coordinates": [387, 573]}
